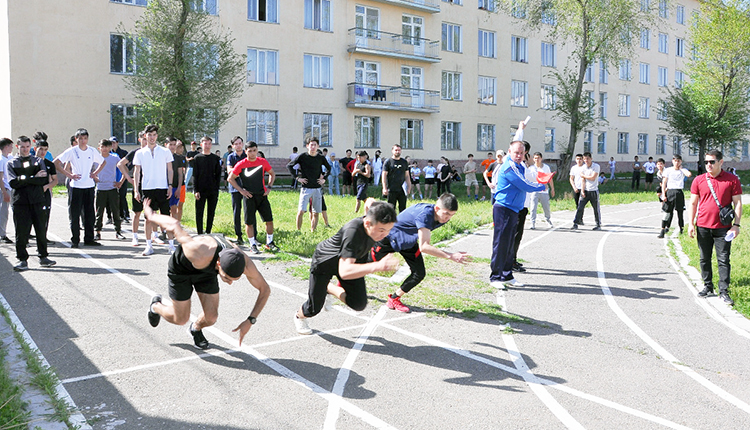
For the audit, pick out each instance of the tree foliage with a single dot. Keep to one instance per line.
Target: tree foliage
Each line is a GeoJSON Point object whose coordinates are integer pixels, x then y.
{"type": "Point", "coordinates": [596, 31]}
{"type": "Point", "coordinates": [188, 75]}
{"type": "Point", "coordinates": [712, 108]}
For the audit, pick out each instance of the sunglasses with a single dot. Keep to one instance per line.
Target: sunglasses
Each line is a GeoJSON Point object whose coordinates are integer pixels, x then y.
{"type": "Point", "coordinates": [711, 162]}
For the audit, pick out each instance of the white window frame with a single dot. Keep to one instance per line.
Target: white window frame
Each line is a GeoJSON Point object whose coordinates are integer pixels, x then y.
{"type": "Point", "coordinates": [364, 125]}
{"type": "Point", "coordinates": [623, 105]}
{"type": "Point", "coordinates": [625, 70]}
{"type": "Point", "coordinates": [680, 14]}
{"type": "Point", "coordinates": [450, 136]}
{"type": "Point", "coordinates": [601, 143]}
{"type": "Point", "coordinates": [588, 141]}
{"type": "Point", "coordinates": [679, 78]}
{"type": "Point", "coordinates": [603, 72]}
{"type": "Point", "coordinates": [602, 105]}
{"type": "Point", "coordinates": [412, 133]}
{"type": "Point", "coordinates": [266, 124]}
{"type": "Point", "coordinates": [210, 7]}
{"type": "Point", "coordinates": [271, 9]}
{"type": "Point", "coordinates": [131, 2]}
{"type": "Point", "coordinates": [679, 47]}
{"type": "Point", "coordinates": [315, 71]}
{"type": "Point", "coordinates": [451, 39]}
{"type": "Point", "coordinates": [663, 9]}
{"type": "Point", "coordinates": [487, 90]}
{"type": "Point", "coordinates": [519, 49]}
{"type": "Point", "coordinates": [589, 75]}
{"type": "Point", "coordinates": [642, 144]}
{"type": "Point", "coordinates": [663, 76]}
{"type": "Point", "coordinates": [661, 110]}
{"type": "Point", "coordinates": [623, 142]}
{"type": "Point", "coordinates": [120, 116]}
{"type": "Point", "coordinates": [485, 137]}
{"type": "Point", "coordinates": [661, 144]}
{"type": "Point", "coordinates": [318, 125]}
{"type": "Point", "coordinates": [549, 139]}
{"type": "Point", "coordinates": [549, 97]}
{"type": "Point", "coordinates": [318, 15]}
{"type": "Point", "coordinates": [646, 38]}
{"type": "Point", "coordinates": [487, 43]}
{"type": "Point", "coordinates": [519, 93]}
{"type": "Point", "coordinates": [644, 73]}
{"type": "Point", "coordinates": [549, 55]}
{"type": "Point", "coordinates": [676, 145]}
{"type": "Point", "coordinates": [488, 5]}
{"type": "Point", "coordinates": [127, 53]}
{"type": "Point", "coordinates": [644, 107]}
{"type": "Point", "coordinates": [268, 76]}
{"type": "Point", "coordinates": [451, 87]}
{"type": "Point", "coordinates": [362, 72]}
{"type": "Point", "coordinates": [664, 43]}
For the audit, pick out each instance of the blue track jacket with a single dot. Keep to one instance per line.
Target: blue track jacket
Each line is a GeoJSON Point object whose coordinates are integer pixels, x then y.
{"type": "Point", "coordinates": [512, 185]}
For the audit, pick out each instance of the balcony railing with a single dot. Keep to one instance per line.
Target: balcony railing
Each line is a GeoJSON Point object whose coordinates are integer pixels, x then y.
{"type": "Point", "coordinates": [393, 45]}
{"type": "Point", "coordinates": [392, 98]}
{"type": "Point", "coordinates": [431, 6]}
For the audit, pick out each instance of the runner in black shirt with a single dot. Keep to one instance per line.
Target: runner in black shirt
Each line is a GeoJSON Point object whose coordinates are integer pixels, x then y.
{"type": "Point", "coordinates": [395, 172]}
{"type": "Point", "coordinates": [345, 256]}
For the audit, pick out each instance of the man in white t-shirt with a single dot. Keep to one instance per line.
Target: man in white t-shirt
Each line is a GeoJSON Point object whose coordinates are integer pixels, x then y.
{"type": "Point", "coordinates": [540, 196]}
{"type": "Point", "coordinates": [589, 192]}
{"type": "Point", "coordinates": [672, 184]}
{"type": "Point", "coordinates": [81, 159]}
{"type": "Point", "coordinates": [649, 167]}
{"type": "Point", "coordinates": [155, 163]}
{"type": "Point", "coordinates": [612, 165]}
{"type": "Point", "coordinates": [575, 178]}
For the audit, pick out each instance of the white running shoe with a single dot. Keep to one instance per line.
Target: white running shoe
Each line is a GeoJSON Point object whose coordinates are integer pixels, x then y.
{"type": "Point", "coordinates": [328, 305]}
{"type": "Point", "coordinates": [148, 251]}
{"type": "Point", "coordinates": [134, 242]}
{"type": "Point", "coordinates": [513, 283]}
{"type": "Point", "coordinates": [550, 224]}
{"type": "Point", "coordinates": [500, 285]}
{"type": "Point", "coordinates": [301, 325]}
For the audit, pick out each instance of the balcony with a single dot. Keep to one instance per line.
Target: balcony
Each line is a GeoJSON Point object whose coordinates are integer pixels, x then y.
{"type": "Point", "coordinates": [431, 6]}
{"type": "Point", "coordinates": [393, 45]}
{"type": "Point", "coordinates": [392, 98]}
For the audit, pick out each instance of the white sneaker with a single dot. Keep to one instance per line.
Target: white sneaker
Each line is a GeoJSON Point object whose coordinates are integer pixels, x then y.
{"type": "Point", "coordinates": [134, 242]}
{"type": "Point", "coordinates": [156, 239]}
{"type": "Point", "coordinates": [148, 251]}
{"type": "Point", "coordinates": [172, 249]}
{"type": "Point", "coordinates": [301, 325]}
{"type": "Point", "coordinates": [533, 226]}
{"type": "Point", "coordinates": [513, 283]}
{"type": "Point", "coordinates": [500, 285]}
{"type": "Point", "coordinates": [549, 223]}
{"type": "Point", "coordinates": [328, 305]}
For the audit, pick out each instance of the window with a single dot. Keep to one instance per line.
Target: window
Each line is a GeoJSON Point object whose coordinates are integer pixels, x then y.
{"type": "Point", "coordinates": [661, 144]}
{"type": "Point", "coordinates": [262, 66]}
{"type": "Point", "coordinates": [486, 89]}
{"type": "Point", "coordinates": [680, 47]}
{"type": "Point", "coordinates": [121, 54]}
{"type": "Point", "coordinates": [680, 14]}
{"type": "Point", "coordinates": [676, 145]}
{"type": "Point", "coordinates": [679, 78]}
{"type": "Point", "coordinates": [487, 44]}
{"type": "Point", "coordinates": [518, 49]}
{"type": "Point", "coordinates": [548, 14]}
{"type": "Point", "coordinates": [601, 143]}
{"type": "Point", "coordinates": [663, 43]}
{"type": "Point", "coordinates": [623, 105]}
{"type": "Point", "coordinates": [411, 77]}
{"type": "Point", "coordinates": [591, 103]}
{"type": "Point", "coordinates": [661, 110]}
{"type": "Point", "coordinates": [519, 93]}
{"type": "Point", "coordinates": [317, 125]}
{"type": "Point", "coordinates": [644, 72]}
{"type": "Point", "coordinates": [518, 9]}
{"type": "Point", "coordinates": [317, 71]}
{"type": "Point", "coordinates": [603, 105]}
{"type": "Point", "coordinates": [488, 5]}
{"type": "Point", "coordinates": [458, 2]}
{"type": "Point", "coordinates": [135, 2]}
{"type": "Point", "coordinates": [451, 87]}
{"type": "Point", "coordinates": [587, 141]}
{"type": "Point", "coordinates": [549, 55]}
{"type": "Point", "coordinates": [663, 73]}
{"type": "Point", "coordinates": [603, 72]}
{"type": "Point", "coordinates": [645, 38]}
{"type": "Point", "coordinates": [623, 141]}
{"type": "Point", "coordinates": [411, 133]}
{"type": "Point", "coordinates": [548, 97]}
{"type": "Point", "coordinates": [450, 135]}
{"type": "Point", "coordinates": [645, 5]}
{"type": "Point", "coordinates": [663, 9]}
{"type": "Point", "coordinates": [589, 75]}
{"type": "Point", "coordinates": [451, 37]}
{"type": "Point", "coordinates": [625, 74]}
{"type": "Point", "coordinates": [411, 31]}
{"type": "Point", "coordinates": [549, 139]}
{"type": "Point", "coordinates": [642, 143]}
{"type": "Point", "coordinates": [368, 20]}
{"type": "Point", "coordinates": [366, 72]}
{"type": "Point", "coordinates": [366, 132]}
{"type": "Point", "coordinates": [644, 106]}
{"type": "Point", "coordinates": [121, 119]}
{"type": "Point", "coordinates": [263, 127]}
{"type": "Point", "coordinates": [207, 6]}
{"type": "Point", "coordinates": [485, 137]}
{"type": "Point", "coordinates": [745, 150]}
{"type": "Point", "coordinates": [318, 15]}
{"type": "Point", "coordinates": [263, 10]}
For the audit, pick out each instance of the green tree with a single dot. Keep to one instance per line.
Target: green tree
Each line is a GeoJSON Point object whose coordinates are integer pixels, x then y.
{"type": "Point", "coordinates": [596, 31]}
{"type": "Point", "coordinates": [187, 75]}
{"type": "Point", "coordinates": [712, 108]}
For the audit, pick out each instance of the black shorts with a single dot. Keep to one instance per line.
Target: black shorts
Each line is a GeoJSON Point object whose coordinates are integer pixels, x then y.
{"type": "Point", "coordinates": [159, 200]}
{"type": "Point", "coordinates": [181, 286]}
{"type": "Point", "coordinates": [347, 177]}
{"type": "Point", "coordinates": [260, 204]}
{"type": "Point", "coordinates": [429, 181]}
{"type": "Point", "coordinates": [137, 206]}
{"type": "Point", "coordinates": [362, 192]}
{"type": "Point", "coordinates": [415, 181]}
{"type": "Point", "coordinates": [649, 178]}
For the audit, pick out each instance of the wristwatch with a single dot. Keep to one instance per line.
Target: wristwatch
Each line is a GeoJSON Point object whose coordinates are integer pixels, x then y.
{"type": "Point", "coordinates": [252, 320]}
{"type": "Point", "coordinates": [737, 225]}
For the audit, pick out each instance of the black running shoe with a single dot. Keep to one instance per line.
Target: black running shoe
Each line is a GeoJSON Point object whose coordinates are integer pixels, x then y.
{"type": "Point", "coordinates": [254, 249]}
{"type": "Point", "coordinates": [272, 247]}
{"type": "Point", "coordinates": [154, 318]}
{"type": "Point", "coordinates": [705, 292]}
{"type": "Point", "coordinates": [46, 262]}
{"type": "Point", "coordinates": [200, 341]}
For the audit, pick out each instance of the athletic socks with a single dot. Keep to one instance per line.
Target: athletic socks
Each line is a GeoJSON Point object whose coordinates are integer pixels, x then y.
{"type": "Point", "coordinates": [148, 243]}
{"type": "Point", "coordinates": [269, 238]}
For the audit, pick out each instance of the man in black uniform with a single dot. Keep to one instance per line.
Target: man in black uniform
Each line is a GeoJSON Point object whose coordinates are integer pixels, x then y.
{"type": "Point", "coordinates": [395, 172]}
{"type": "Point", "coordinates": [345, 256]}
{"type": "Point", "coordinates": [195, 264]}
{"type": "Point", "coordinates": [311, 178]}
{"type": "Point", "coordinates": [41, 148]}
{"type": "Point", "coordinates": [27, 176]}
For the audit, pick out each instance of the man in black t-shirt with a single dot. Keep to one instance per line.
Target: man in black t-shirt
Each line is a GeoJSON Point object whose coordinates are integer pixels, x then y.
{"type": "Point", "coordinates": [346, 175]}
{"type": "Point", "coordinates": [345, 256]}
{"type": "Point", "coordinates": [41, 148]}
{"type": "Point", "coordinates": [311, 178]}
{"type": "Point", "coordinates": [395, 172]}
{"type": "Point", "coordinates": [207, 173]}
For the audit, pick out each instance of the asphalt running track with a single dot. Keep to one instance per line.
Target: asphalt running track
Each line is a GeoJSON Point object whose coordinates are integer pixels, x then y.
{"type": "Point", "coordinates": [618, 340]}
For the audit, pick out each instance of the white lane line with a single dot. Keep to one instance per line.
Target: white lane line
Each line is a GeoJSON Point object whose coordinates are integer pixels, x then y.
{"type": "Point", "coordinates": [343, 376]}
{"type": "Point", "coordinates": [651, 342]}
{"type": "Point", "coordinates": [531, 379]}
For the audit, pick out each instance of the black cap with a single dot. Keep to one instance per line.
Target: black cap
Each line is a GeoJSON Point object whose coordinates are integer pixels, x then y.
{"type": "Point", "coordinates": [232, 262]}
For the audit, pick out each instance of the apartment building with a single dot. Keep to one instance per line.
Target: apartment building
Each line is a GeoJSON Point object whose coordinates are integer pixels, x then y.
{"type": "Point", "coordinates": [439, 77]}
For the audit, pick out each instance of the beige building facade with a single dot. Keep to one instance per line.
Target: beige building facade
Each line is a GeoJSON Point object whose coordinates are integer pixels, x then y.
{"type": "Point", "coordinates": [439, 77]}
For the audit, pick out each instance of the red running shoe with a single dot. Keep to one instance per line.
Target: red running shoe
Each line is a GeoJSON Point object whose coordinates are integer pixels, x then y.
{"type": "Point", "coordinates": [397, 305]}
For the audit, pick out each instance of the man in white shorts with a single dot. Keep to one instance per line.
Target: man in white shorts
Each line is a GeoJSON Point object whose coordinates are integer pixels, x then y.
{"type": "Point", "coordinates": [311, 178]}
{"type": "Point", "coordinates": [470, 177]}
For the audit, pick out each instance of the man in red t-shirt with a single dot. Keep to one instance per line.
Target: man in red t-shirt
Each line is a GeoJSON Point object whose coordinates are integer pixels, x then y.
{"type": "Point", "coordinates": [703, 212]}
{"type": "Point", "coordinates": [249, 178]}
{"type": "Point", "coordinates": [485, 165]}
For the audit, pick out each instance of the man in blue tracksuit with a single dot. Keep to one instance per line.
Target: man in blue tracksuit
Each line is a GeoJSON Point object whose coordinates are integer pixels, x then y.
{"type": "Point", "coordinates": [509, 197]}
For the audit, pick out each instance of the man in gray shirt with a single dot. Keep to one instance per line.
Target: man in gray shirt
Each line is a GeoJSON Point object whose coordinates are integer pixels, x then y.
{"type": "Point", "coordinates": [107, 190]}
